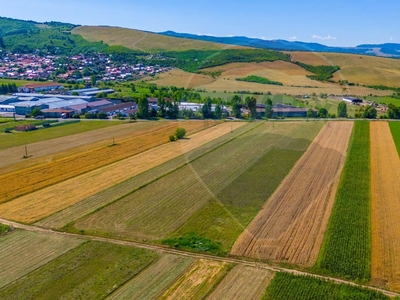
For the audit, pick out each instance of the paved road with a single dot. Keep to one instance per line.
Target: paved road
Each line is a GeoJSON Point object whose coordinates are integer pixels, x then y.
{"type": "Point", "coordinates": [161, 249]}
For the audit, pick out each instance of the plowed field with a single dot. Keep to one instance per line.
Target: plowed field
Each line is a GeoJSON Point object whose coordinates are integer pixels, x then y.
{"type": "Point", "coordinates": [385, 208]}
{"type": "Point", "coordinates": [42, 203]}
{"type": "Point", "coordinates": [291, 225]}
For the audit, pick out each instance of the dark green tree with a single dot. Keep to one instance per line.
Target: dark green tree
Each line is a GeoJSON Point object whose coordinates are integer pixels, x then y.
{"type": "Point", "coordinates": [322, 113]}
{"type": "Point", "coordinates": [206, 108]}
{"type": "Point", "coordinates": [236, 103]}
{"type": "Point", "coordinates": [36, 112]}
{"type": "Point", "coordinates": [393, 111]}
{"type": "Point", "coordinates": [310, 113]}
{"type": "Point", "coordinates": [342, 110]}
{"type": "Point", "coordinates": [370, 112]}
{"type": "Point", "coordinates": [268, 108]}
{"type": "Point", "coordinates": [143, 108]}
{"type": "Point", "coordinates": [251, 104]}
{"type": "Point", "coordinates": [218, 110]}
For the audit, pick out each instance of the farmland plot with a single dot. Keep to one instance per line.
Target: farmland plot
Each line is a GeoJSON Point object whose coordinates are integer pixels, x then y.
{"type": "Point", "coordinates": [42, 203]}
{"type": "Point", "coordinates": [243, 283]}
{"type": "Point", "coordinates": [50, 173]}
{"type": "Point", "coordinates": [90, 271]}
{"type": "Point", "coordinates": [385, 208]}
{"type": "Point", "coordinates": [291, 226]}
{"type": "Point", "coordinates": [346, 250]}
{"type": "Point", "coordinates": [21, 252]}
{"type": "Point", "coordinates": [198, 281]}
{"type": "Point", "coordinates": [114, 193]}
{"type": "Point", "coordinates": [395, 129]}
{"type": "Point", "coordinates": [160, 208]}
{"type": "Point", "coordinates": [151, 282]}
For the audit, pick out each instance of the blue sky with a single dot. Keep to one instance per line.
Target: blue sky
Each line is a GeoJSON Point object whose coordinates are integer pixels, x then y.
{"type": "Point", "coordinates": [336, 23]}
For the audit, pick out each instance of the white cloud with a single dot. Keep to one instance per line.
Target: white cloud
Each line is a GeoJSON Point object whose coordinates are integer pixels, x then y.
{"type": "Point", "coordinates": [324, 38]}
{"type": "Point", "coordinates": [293, 38]}
{"type": "Point", "coordinates": [391, 38]}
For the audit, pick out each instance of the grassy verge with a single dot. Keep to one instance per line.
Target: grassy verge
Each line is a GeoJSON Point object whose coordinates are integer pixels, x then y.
{"type": "Point", "coordinates": [4, 228]}
{"type": "Point", "coordinates": [287, 286]}
{"type": "Point", "coordinates": [346, 250]}
{"type": "Point", "coordinates": [91, 271]}
{"type": "Point", "coordinates": [395, 129]}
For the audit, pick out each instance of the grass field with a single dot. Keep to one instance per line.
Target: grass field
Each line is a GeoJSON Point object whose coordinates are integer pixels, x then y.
{"type": "Point", "coordinates": [395, 129]}
{"type": "Point", "coordinates": [52, 199]}
{"type": "Point", "coordinates": [291, 226]}
{"type": "Point", "coordinates": [91, 271]}
{"type": "Point", "coordinates": [346, 249]}
{"type": "Point", "coordinates": [17, 82]}
{"type": "Point", "coordinates": [111, 194]}
{"type": "Point", "coordinates": [23, 138]}
{"type": "Point", "coordinates": [242, 283]}
{"type": "Point", "coordinates": [287, 286]}
{"type": "Point", "coordinates": [155, 279]}
{"type": "Point", "coordinates": [154, 212]}
{"type": "Point", "coordinates": [198, 281]}
{"type": "Point", "coordinates": [385, 100]}
{"type": "Point", "coordinates": [22, 252]}
{"type": "Point", "coordinates": [43, 175]}
{"type": "Point", "coordinates": [144, 41]}
{"type": "Point", "coordinates": [385, 208]}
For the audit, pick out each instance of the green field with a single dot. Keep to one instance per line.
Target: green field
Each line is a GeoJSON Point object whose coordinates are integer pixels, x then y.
{"type": "Point", "coordinates": [17, 82]}
{"type": "Point", "coordinates": [151, 282]}
{"type": "Point", "coordinates": [385, 100]}
{"type": "Point", "coordinates": [346, 250]}
{"type": "Point", "coordinates": [395, 129]}
{"type": "Point", "coordinates": [8, 140]}
{"type": "Point", "coordinates": [4, 228]}
{"type": "Point", "coordinates": [287, 286]}
{"type": "Point", "coordinates": [21, 252]}
{"type": "Point", "coordinates": [90, 271]}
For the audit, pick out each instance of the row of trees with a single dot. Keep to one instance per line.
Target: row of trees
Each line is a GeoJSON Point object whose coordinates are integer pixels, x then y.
{"type": "Point", "coordinates": [8, 88]}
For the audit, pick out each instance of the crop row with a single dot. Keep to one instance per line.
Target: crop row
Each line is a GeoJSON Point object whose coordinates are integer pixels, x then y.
{"type": "Point", "coordinates": [346, 250]}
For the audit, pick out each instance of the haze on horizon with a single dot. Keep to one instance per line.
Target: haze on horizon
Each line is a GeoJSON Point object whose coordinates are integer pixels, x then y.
{"type": "Point", "coordinates": [343, 23]}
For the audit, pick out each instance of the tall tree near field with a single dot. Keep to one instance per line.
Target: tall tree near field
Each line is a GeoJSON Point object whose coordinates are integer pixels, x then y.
{"type": "Point", "coordinates": [370, 112]}
{"type": "Point", "coordinates": [236, 103]}
{"type": "Point", "coordinates": [93, 80]}
{"type": "Point", "coordinates": [218, 110]}
{"type": "Point", "coordinates": [268, 108]}
{"type": "Point", "coordinates": [251, 104]}
{"type": "Point", "coordinates": [143, 108]}
{"type": "Point", "coordinates": [206, 108]}
{"type": "Point", "coordinates": [162, 107]}
{"type": "Point", "coordinates": [342, 110]}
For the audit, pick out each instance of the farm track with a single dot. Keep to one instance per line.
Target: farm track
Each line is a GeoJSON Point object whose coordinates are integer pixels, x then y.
{"type": "Point", "coordinates": [160, 249]}
{"type": "Point", "coordinates": [50, 200]}
{"type": "Point", "coordinates": [385, 208]}
{"type": "Point", "coordinates": [58, 148]}
{"type": "Point", "coordinates": [38, 177]}
{"type": "Point", "coordinates": [292, 224]}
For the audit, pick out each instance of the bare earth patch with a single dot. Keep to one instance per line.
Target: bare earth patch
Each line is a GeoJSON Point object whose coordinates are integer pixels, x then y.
{"type": "Point", "coordinates": [385, 208]}
{"type": "Point", "coordinates": [42, 203]}
{"type": "Point", "coordinates": [292, 224]}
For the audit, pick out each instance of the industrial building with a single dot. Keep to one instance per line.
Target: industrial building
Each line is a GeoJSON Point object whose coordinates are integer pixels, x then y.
{"type": "Point", "coordinates": [352, 100]}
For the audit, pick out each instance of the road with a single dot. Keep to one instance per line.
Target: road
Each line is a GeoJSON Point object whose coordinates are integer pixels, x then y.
{"type": "Point", "coordinates": [161, 249]}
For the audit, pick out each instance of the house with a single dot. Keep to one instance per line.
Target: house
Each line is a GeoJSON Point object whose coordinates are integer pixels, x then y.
{"type": "Point", "coordinates": [352, 100]}
{"type": "Point", "coordinates": [96, 105]}
{"type": "Point", "coordinates": [7, 108]}
{"type": "Point", "coordinates": [114, 109]}
{"type": "Point", "coordinates": [35, 88]}
{"type": "Point", "coordinates": [57, 113]}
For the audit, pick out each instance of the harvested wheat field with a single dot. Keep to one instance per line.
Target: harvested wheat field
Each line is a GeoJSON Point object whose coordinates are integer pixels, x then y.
{"type": "Point", "coordinates": [53, 149]}
{"type": "Point", "coordinates": [385, 208]}
{"type": "Point", "coordinates": [43, 175]}
{"type": "Point", "coordinates": [42, 203]}
{"type": "Point", "coordinates": [243, 282]}
{"type": "Point", "coordinates": [292, 224]}
{"type": "Point", "coordinates": [198, 281]}
{"type": "Point", "coordinates": [181, 78]}
{"type": "Point", "coordinates": [21, 252]}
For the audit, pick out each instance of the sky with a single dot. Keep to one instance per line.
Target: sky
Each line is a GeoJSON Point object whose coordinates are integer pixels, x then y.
{"type": "Point", "coordinates": [334, 23]}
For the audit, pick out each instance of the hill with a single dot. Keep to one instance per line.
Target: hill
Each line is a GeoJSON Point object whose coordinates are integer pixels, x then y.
{"type": "Point", "coordinates": [144, 41]}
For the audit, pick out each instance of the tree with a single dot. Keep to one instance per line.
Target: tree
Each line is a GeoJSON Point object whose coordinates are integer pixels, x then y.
{"type": "Point", "coordinates": [342, 110]}
{"type": "Point", "coordinates": [93, 80]}
{"type": "Point", "coordinates": [180, 133]}
{"type": "Point", "coordinates": [236, 103]}
{"type": "Point", "coordinates": [206, 108]}
{"type": "Point", "coordinates": [133, 88]}
{"type": "Point", "coordinates": [102, 115]}
{"type": "Point", "coordinates": [323, 113]}
{"type": "Point", "coordinates": [268, 108]}
{"type": "Point", "coordinates": [2, 45]}
{"type": "Point", "coordinates": [370, 112]}
{"type": "Point", "coordinates": [251, 104]}
{"type": "Point", "coordinates": [218, 110]}
{"type": "Point", "coordinates": [393, 111]}
{"type": "Point", "coordinates": [143, 108]}
{"type": "Point", "coordinates": [310, 113]}
{"type": "Point", "coordinates": [36, 112]}
{"type": "Point", "coordinates": [161, 107]}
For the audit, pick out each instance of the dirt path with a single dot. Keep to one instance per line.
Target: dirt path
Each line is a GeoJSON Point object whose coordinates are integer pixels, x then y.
{"type": "Point", "coordinates": [161, 249]}
{"type": "Point", "coordinates": [292, 224]}
{"type": "Point", "coordinates": [385, 208]}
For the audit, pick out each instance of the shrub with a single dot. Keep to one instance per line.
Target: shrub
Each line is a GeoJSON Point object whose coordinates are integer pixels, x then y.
{"type": "Point", "coordinates": [180, 133]}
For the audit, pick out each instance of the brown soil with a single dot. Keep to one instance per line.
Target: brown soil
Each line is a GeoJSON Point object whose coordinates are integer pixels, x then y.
{"type": "Point", "coordinates": [385, 208]}
{"type": "Point", "coordinates": [292, 224]}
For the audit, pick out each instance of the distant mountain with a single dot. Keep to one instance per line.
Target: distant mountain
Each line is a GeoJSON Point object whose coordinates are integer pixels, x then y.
{"type": "Point", "coordinates": [391, 50]}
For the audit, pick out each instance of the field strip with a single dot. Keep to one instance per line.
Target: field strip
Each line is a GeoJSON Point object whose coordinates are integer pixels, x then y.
{"type": "Point", "coordinates": [161, 249]}
{"type": "Point", "coordinates": [292, 224]}
{"type": "Point", "coordinates": [155, 279]}
{"type": "Point", "coordinates": [160, 208]}
{"type": "Point", "coordinates": [198, 281]}
{"type": "Point", "coordinates": [21, 252]}
{"type": "Point", "coordinates": [40, 204]}
{"type": "Point", "coordinates": [53, 149]}
{"type": "Point", "coordinates": [243, 283]}
{"type": "Point", "coordinates": [112, 194]}
{"type": "Point", "coordinates": [38, 177]}
{"type": "Point", "coordinates": [385, 208]}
